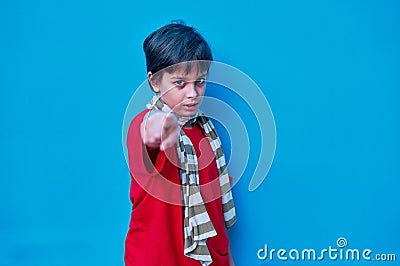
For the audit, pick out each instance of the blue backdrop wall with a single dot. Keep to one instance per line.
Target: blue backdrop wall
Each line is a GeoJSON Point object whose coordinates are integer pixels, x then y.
{"type": "Point", "coordinates": [329, 69]}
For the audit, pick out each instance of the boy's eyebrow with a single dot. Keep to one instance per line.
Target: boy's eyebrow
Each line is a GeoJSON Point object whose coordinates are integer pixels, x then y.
{"type": "Point", "coordinates": [178, 77]}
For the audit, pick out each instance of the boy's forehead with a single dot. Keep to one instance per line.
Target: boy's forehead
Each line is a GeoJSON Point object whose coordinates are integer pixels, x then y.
{"type": "Point", "coordinates": [189, 71]}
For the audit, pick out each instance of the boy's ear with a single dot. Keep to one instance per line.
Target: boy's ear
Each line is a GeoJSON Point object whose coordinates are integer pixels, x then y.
{"type": "Point", "coordinates": [153, 82]}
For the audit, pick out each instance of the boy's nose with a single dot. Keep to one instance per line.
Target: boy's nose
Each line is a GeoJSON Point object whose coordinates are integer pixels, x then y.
{"type": "Point", "coordinates": [191, 90]}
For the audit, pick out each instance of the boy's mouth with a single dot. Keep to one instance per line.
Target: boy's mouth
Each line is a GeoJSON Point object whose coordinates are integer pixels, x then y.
{"type": "Point", "coordinates": [191, 106]}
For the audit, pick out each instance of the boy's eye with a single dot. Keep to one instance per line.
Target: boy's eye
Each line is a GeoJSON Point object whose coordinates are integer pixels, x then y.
{"type": "Point", "coordinates": [200, 82]}
{"type": "Point", "coordinates": [180, 83]}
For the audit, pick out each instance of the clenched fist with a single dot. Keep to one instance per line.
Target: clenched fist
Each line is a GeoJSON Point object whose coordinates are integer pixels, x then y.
{"type": "Point", "coordinates": [159, 130]}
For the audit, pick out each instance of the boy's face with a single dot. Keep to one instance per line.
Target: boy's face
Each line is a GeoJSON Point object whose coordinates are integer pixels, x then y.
{"type": "Point", "coordinates": [180, 90]}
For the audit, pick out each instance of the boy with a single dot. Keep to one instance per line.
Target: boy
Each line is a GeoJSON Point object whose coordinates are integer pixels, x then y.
{"type": "Point", "coordinates": [180, 190]}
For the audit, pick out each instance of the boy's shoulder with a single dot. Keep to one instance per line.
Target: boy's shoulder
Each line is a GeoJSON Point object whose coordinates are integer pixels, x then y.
{"type": "Point", "coordinates": [139, 117]}
{"type": "Point", "coordinates": [136, 121]}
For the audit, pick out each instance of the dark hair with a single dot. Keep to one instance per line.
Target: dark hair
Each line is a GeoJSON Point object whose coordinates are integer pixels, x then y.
{"type": "Point", "coordinates": [175, 43]}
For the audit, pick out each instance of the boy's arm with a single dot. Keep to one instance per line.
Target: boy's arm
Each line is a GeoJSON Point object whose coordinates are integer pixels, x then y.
{"type": "Point", "coordinates": [159, 130]}
{"type": "Point", "coordinates": [144, 156]}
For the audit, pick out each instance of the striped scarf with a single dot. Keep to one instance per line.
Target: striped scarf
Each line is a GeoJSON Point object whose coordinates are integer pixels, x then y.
{"type": "Point", "coordinates": [197, 225]}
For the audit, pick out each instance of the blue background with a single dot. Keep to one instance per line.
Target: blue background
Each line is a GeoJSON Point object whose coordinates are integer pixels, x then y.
{"type": "Point", "coordinates": [330, 71]}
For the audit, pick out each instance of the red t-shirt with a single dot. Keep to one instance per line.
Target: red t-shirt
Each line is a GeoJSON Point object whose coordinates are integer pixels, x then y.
{"type": "Point", "coordinates": [155, 236]}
